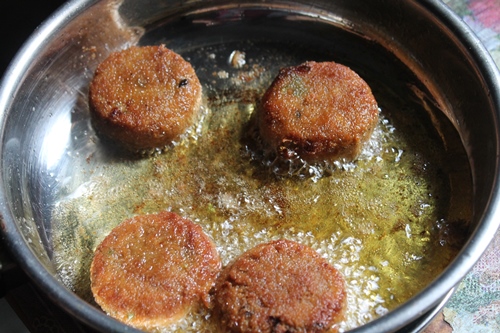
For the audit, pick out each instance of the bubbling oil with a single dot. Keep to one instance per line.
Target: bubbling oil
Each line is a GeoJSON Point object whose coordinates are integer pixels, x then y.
{"type": "Point", "coordinates": [388, 221]}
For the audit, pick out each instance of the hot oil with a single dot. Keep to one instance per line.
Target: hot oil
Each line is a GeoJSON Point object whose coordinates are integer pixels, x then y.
{"type": "Point", "coordinates": [388, 221]}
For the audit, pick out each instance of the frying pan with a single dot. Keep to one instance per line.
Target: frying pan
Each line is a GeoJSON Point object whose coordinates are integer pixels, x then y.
{"type": "Point", "coordinates": [46, 138]}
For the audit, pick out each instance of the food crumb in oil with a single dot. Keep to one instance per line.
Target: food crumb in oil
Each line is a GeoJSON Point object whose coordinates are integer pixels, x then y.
{"type": "Point", "coordinates": [237, 59]}
{"type": "Point", "coordinates": [222, 74]}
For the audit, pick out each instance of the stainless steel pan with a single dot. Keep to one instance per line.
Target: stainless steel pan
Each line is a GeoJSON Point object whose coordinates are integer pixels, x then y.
{"type": "Point", "coordinates": [46, 137]}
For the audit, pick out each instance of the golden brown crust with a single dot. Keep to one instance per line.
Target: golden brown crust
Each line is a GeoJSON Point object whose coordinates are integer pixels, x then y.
{"type": "Point", "coordinates": [152, 269]}
{"type": "Point", "coordinates": [144, 97]}
{"type": "Point", "coordinates": [281, 286]}
{"type": "Point", "coordinates": [321, 111]}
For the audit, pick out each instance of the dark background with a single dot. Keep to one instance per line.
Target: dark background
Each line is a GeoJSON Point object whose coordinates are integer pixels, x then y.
{"type": "Point", "coordinates": [18, 20]}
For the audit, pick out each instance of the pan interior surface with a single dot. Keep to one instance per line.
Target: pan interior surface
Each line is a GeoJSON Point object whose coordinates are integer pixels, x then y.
{"type": "Point", "coordinates": [391, 222]}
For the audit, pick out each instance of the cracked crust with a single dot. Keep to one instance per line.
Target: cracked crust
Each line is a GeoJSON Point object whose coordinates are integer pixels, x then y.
{"type": "Point", "coordinates": [152, 269]}
{"type": "Point", "coordinates": [318, 110]}
{"type": "Point", "coordinates": [144, 97]}
{"type": "Point", "coordinates": [281, 286]}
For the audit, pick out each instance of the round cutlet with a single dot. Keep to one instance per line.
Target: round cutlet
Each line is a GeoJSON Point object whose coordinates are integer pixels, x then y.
{"type": "Point", "coordinates": [281, 286]}
{"type": "Point", "coordinates": [144, 97]}
{"type": "Point", "coordinates": [319, 111]}
{"type": "Point", "coordinates": [152, 269]}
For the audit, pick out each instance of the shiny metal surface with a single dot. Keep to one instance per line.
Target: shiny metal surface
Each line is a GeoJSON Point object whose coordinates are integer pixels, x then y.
{"type": "Point", "coordinates": [419, 324]}
{"type": "Point", "coordinates": [46, 136]}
